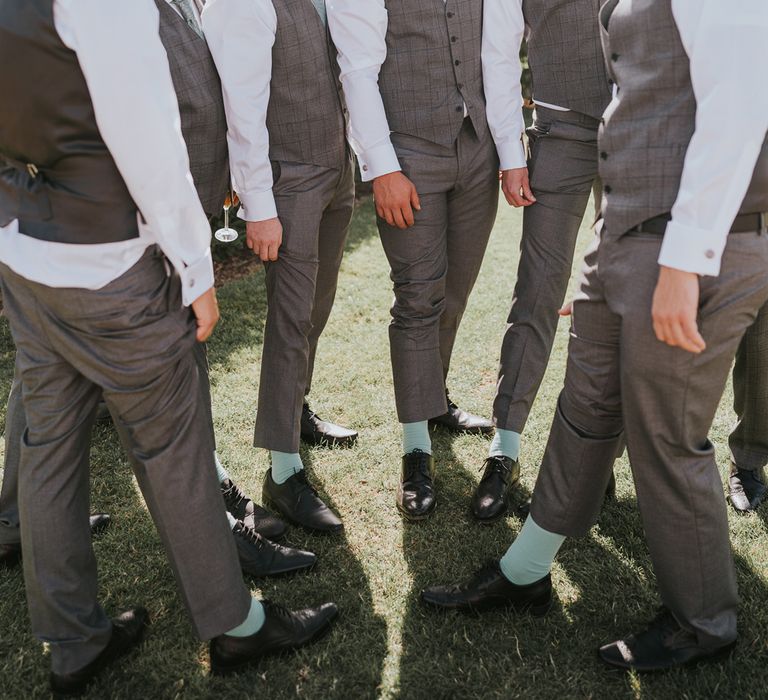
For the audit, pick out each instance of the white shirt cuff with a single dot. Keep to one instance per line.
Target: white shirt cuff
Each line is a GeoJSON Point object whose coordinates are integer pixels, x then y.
{"type": "Point", "coordinates": [197, 278]}
{"type": "Point", "coordinates": [511, 155]}
{"type": "Point", "coordinates": [257, 206]}
{"type": "Point", "coordinates": [379, 160]}
{"type": "Point", "coordinates": [692, 249]}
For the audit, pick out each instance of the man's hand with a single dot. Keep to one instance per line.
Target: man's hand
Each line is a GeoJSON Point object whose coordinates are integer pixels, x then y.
{"type": "Point", "coordinates": [675, 305]}
{"type": "Point", "coordinates": [206, 310]}
{"type": "Point", "coordinates": [395, 197]}
{"type": "Point", "coordinates": [264, 237]}
{"type": "Point", "coordinates": [516, 188]}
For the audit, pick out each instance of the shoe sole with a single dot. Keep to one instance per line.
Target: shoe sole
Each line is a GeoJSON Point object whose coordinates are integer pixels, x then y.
{"type": "Point", "coordinates": [317, 531]}
{"type": "Point", "coordinates": [460, 431]}
{"type": "Point", "coordinates": [318, 441]}
{"type": "Point", "coordinates": [282, 572]}
{"type": "Point", "coordinates": [521, 609]}
{"type": "Point", "coordinates": [719, 655]}
{"type": "Point", "coordinates": [250, 663]}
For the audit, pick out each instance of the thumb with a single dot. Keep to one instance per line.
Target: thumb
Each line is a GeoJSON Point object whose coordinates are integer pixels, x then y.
{"type": "Point", "coordinates": [567, 310]}
{"type": "Point", "coordinates": [415, 202]}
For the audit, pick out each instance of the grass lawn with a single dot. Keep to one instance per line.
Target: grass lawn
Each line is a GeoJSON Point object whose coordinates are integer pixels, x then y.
{"type": "Point", "coordinates": [385, 644]}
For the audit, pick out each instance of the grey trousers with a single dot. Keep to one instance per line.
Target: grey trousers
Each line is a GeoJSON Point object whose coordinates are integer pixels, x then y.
{"type": "Point", "coordinates": [563, 171]}
{"type": "Point", "coordinates": [435, 262]}
{"type": "Point", "coordinates": [132, 342]}
{"type": "Point", "coordinates": [16, 424]}
{"type": "Point", "coordinates": [315, 207]}
{"type": "Point", "coordinates": [749, 440]}
{"type": "Point", "coordinates": [620, 378]}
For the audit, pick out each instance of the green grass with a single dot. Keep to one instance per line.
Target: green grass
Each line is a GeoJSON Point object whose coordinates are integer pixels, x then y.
{"type": "Point", "coordinates": [385, 644]}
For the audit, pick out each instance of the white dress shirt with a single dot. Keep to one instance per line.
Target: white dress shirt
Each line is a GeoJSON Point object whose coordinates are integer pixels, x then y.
{"type": "Point", "coordinates": [240, 35]}
{"type": "Point", "coordinates": [731, 124]}
{"type": "Point", "coordinates": [126, 69]}
{"type": "Point", "coordinates": [503, 31]}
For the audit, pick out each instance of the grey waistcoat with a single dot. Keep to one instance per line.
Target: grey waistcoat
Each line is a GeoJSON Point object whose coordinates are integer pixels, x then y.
{"type": "Point", "coordinates": [201, 106]}
{"type": "Point", "coordinates": [565, 55]}
{"type": "Point", "coordinates": [649, 126]}
{"type": "Point", "coordinates": [306, 117]}
{"type": "Point", "coordinates": [433, 68]}
{"type": "Point", "coordinates": [47, 119]}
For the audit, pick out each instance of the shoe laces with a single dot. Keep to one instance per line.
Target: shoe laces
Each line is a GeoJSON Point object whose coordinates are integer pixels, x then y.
{"type": "Point", "coordinates": [495, 465]}
{"type": "Point", "coordinates": [417, 464]}
{"type": "Point", "coordinates": [488, 572]}
{"type": "Point", "coordinates": [249, 534]}
{"type": "Point", "coordinates": [278, 610]}
{"type": "Point", "coordinates": [301, 477]}
{"type": "Point", "coordinates": [233, 496]}
{"type": "Point", "coordinates": [672, 633]}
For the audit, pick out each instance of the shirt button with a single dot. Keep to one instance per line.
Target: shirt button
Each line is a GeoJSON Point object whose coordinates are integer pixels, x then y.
{"type": "Point", "coordinates": [454, 39]}
{"type": "Point", "coordinates": [459, 108]}
{"type": "Point", "coordinates": [449, 15]}
{"type": "Point", "coordinates": [614, 57]}
{"type": "Point", "coordinates": [457, 62]}
{"type": "Point", "coordinates": [709, 254]}
{"type": "Point", "coordinates": [365, 168]}
{"type": "Point", "coordinates": [603, 155]}
{"type": "Point", "coordinates": [192, 282]}
{"type": "Point", "coordinates": [460, 86]}
{"type": "Point", "coordinates": [607, 189]}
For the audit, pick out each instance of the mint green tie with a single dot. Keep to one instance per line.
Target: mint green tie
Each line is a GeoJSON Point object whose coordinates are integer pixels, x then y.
{"type": "Point", "coordinates": [320, 7]}
{"type": "Point", "coordinates": [188, 13]}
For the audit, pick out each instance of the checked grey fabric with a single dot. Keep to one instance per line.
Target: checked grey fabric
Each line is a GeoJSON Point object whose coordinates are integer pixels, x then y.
{"type": "Point", "coordinates": [433, 68]}
{"type": "Point", "coordinates": [565, 54]}
{"type": "Point", "coordinates": [305, 118]}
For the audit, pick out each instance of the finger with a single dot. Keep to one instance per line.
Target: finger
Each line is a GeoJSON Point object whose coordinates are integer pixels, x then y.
{"type": "Point", "coordinates": [527, 193]}
{"type": "Point", "coordinates": [508, 197]}
{"type": "Point", "coordinates": [249, 243]}
{"type": "Point", "coordinates": [407, 213]}
{"type": "Point", "coordinates": [272, 251]}
{"type": "Point", "coordinates": [677, 338]}
{"type": "Point", "coordinates": [566, 310]}
{"type": "Point", "coordinates": [517, 200]}
{"type": "Point", "coordinates": [389, 217]}
{"type": "Point", "coordinates": [415, 201]}
{"type": "Point", "coordinates": [264, 251]}
{"type": "Point", "coordinates": [379, 211]}
{"type": "Point", "coordinates": [658, 329]}
{"type": "Point", "coordinates": [398, 218]}
{"type": "Point", "coordinates": [691, 331]}
{"type": "Point", "coordinates": [204, 330]}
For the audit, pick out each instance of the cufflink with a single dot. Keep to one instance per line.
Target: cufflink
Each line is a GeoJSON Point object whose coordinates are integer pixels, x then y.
{"type": "Point", "coordinates": [365, 168]}
{"type": "Point", "coordinates": [709, 254]}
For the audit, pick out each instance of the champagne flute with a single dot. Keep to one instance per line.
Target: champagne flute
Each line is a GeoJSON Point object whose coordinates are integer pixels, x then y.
{"type": "Point", "coordinates": [227, 234]}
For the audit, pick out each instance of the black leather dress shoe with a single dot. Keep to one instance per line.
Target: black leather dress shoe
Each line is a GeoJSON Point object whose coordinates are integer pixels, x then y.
{"type": "Point", "coordinates": [282, 630]}
{"type": "Point", "coordinates": [489, 589]}
{"type": "Point", "coordinates": [458, 421]}
{"type": "Point", "coordinates": [298, 501]}
{"type": "Point", "coordinates": [416, 498]}
{"type": "Point", "coordinates": [490, 501]}
{"type": "Point", "coordinates": [127, 631]}
{"type": "Point", "coordinates": [316, 431]}
{"type": "Point", "coordinates": [99, 522]}
{"type": "Point", "coordinates": [663, 645]}
{"type": "Point", "coordinates": [254, 516]}
{"type": "Point", "coordinates": [102, 413]}
{"type": "Point", "coordinates": [260, 557]}
{"type": "Point", "coordinates": [10, 555]}
{"type": "Point", "coordinates": [746, 489]}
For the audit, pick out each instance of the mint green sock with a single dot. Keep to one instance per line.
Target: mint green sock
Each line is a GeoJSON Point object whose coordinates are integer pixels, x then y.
{"type": "Point", "coordinates": [252, 623]}
{"type": "Point", "coordinates": [416, 437]}
{"type": "Point", "coordinates": [221, 473]}
{"type": "Point", "coordinates": [505, 443]}
{"type": "Point", "coordinates": [285, 465]}
{"type": "Point", "coordinates": [530, 556]}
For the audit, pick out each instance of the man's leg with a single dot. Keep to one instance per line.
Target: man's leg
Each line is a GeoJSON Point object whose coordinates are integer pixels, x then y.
{"type": "Point", "coordinates": [749, 440]}
{"type": "Point", "coordinates": [334, 226]}
{"type": "Point", "coordinates": [586, 430]}
{"type": "Point", "coordinates": [15, 423]}
{"type": "Point", "coordinates": [302, 194]}
{"type": "Point", "coordinates": [151, 386]}
{"type": "Point", "coordinates": [670, 398]}
{"type": "Point", "coordinates": [472, 205]}
{"type": "Point", "coordinates": [563, 168]}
